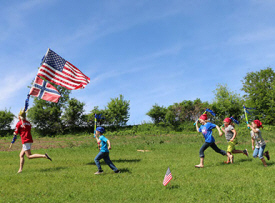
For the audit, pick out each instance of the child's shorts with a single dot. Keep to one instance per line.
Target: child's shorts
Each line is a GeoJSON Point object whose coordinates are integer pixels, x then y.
{"type": "Point", "coordinates": [27, 146]}
{"type": "Point", "coordinates": [231, 146]}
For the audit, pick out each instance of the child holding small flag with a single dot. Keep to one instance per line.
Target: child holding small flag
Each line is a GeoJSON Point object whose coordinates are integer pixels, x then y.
{"type": "Point", "coordinates": [206, 130]}
{"type": "Point", "coordinates": [23, 128]}
{"type": "Point", "coordinates": [230, 136]}
{"type": "Point", "coordinates": [104, 151]}
{"type": "Point", "coordinates": [256, 136]}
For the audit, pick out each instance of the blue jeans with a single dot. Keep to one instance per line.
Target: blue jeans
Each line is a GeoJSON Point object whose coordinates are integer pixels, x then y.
{"type": "Point", "coordinates": [105, 156]}
{"type": "Point", "coordinates": [259, 152]}
{"type": "Point", "coordinates": [213, 146]}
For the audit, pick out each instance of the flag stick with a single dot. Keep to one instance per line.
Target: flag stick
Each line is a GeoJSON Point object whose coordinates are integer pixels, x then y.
{"type": "Point", "coordinates": [245, 115]}
{"type": "Point", "coordinates": [95, 126]}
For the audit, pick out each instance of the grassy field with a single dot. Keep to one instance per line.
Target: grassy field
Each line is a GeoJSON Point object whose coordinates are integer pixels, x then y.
{"type": "Point", "coordinates": [70, 176]}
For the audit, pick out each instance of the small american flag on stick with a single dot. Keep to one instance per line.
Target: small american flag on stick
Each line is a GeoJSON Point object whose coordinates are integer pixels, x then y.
{"type": "Point", "coordinates": [61, 72]}
{"type": "Point", "coordinates": [167, 177]}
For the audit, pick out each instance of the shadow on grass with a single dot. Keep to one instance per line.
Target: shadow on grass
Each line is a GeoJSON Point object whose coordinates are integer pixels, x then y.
{"type": "Point", "coordinates": [116, 161]}
{"type": "Point", "coordinates": [171, 187]}
{"type": "Point", "coordinates": [53, 169]}
{"type": "Point", "coordinates": [243, 160]}
{"type": "Point", "coordinates": [125, 170]}
{"type": "Point", "coordinates": [236, 161]}
{"type": "Point", "coordinates": [270, 163]}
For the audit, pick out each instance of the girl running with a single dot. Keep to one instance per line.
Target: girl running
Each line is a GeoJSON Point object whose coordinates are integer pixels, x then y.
{"type": "Point", "coordinates": [230, 136]}
{"type": "Point", "coordinates": [206, 130]}
{"type": "Point", "coordinates": [256, 138]}
{"type": "Point", "coordinates": [23, 128]}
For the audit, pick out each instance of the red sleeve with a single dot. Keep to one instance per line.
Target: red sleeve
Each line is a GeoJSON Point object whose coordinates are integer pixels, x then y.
{"type": "Point", "coordinates": [16, 131]}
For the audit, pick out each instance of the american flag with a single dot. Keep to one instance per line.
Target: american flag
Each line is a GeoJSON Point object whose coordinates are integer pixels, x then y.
{"type": "Point", "coordinates": [44, 90]}
{"type": "Point", "coordinates": [167, 177]}
{"type": "Point", "coordinates": [61, 72]}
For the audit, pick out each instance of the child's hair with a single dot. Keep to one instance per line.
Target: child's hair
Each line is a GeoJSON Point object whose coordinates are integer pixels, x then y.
{"type": "Point", "coordinates": [207, 121]}
{"type": "Point", "coordinates": [232, 123]}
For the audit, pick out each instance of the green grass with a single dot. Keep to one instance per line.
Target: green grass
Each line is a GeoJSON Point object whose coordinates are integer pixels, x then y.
{"type": "Point", "coordinates": [70, 176]}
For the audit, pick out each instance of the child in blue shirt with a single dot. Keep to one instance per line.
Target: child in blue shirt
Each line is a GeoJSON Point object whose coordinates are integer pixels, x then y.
{"type": "Point", "coordinates": [104, 151]}
{"type": "Point", "coordinates": [206, 130]}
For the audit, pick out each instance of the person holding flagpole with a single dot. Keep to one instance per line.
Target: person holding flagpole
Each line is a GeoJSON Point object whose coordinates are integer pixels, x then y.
{"type": "Point", "coordinates": [23, 128]}
{"type": "Point", "coordinates": [105, 146]}
{"type": "Point", "coordinates": [206, 130]}
{"type": "Point", "coordinates": [256, 138]}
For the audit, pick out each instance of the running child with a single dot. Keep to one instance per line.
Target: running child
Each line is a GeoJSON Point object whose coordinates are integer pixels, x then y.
{"type": "Point", "coordinates": [104, 151]}
{"type": "Point", "coordinates": [230, 136]}
{"type": "Point", "coordinates": [256, 137]}
{"type": "Point", "coordinates": [206, 130]}
{"type": "Point", "coordinates": [23, 128]}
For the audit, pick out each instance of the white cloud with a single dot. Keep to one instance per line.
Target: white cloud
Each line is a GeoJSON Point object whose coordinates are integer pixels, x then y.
{"type": "Point", "coordinates": [252, 37]}
{"type": "Point", "coordinates": [12, 84]}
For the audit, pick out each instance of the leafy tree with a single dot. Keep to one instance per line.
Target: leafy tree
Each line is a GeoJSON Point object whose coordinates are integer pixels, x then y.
{"type": "Point", "coordinates": [157, 113]}
{"type": "Point", "coordinates": [185, 111]}
{"type": "Point", "coordinates": [227, 103]}
{"type": "Point", "coordinates": [117, 112]}
{"type": "Point", "coordinates": [73, 116]}
{"type": "Point", "coordinates": [6, 118]}
{"type": "Point", "coordinates": [91, 117]}
{"type": "Point", "coordinates": [259, 90]}
{"type": "Point", "coordinates": [46, 116]}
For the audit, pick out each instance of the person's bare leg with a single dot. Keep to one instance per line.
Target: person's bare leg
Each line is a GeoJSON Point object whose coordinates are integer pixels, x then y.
{"type": "Point", "coordinates": [228, 159]}
{"type": "Point", "coordinates": [201, 163]}
{"type": "Point", "coordinates": [34, 156]}
{"type": "Point", "coordinates": [21, 156]}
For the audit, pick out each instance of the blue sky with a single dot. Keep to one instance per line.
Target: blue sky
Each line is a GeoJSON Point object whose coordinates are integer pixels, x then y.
{"type": "Point", "coordinates": [150, 51]}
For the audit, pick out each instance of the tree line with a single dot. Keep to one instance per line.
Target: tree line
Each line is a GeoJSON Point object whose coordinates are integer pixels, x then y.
{"type": "Point", "coordinates": [68, 115]}
{"type": "Point", "coordinates": [259, 89]}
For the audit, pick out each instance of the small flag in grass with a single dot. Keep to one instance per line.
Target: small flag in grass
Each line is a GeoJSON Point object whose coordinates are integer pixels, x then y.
{"type": "Point", "coordinates": [167, 177]}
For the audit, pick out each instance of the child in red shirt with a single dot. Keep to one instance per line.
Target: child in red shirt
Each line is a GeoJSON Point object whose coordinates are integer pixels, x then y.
{"type": "Point", "coordinates": [23, 128]}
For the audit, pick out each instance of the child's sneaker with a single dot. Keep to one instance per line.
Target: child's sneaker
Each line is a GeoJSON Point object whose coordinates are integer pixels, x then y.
{"type": "Point", "coordinates": [267, 155]}
{"type": "Point", "coordinates": [47, 156]}
{"type": "Point", "coordinates": [117, 171]}
{"type": "Point", "coordinates": [98, 172]}
{"type": "Point", "coordinates": [245, 152]}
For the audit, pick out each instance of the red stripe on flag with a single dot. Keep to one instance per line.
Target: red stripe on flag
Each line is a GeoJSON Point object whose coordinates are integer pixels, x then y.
{"type": "Point", "coordinates": [167, 179]}
{"type": "Point", "coordinates": [63, 75]}
{"type": "Point", "coordinates": [62, 78]}
{"type": "Point", "coordinates": [56, 80]}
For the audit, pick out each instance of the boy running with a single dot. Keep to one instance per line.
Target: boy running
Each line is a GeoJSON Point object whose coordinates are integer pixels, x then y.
{"type": "Point", "coordinates": [104, 151]}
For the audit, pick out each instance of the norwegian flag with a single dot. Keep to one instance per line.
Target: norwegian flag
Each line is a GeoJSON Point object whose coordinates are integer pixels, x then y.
{"type": "Point", "coordinates": [167, 177]}
{"type": "Point", "coordinates": [44, 90]}
{"type": "Point", "coordinates": [61, 72]}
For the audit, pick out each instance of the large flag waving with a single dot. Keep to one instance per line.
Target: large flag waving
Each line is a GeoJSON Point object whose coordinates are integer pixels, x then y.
{"type": "Point", "coordinates": [167, 177]}
{"type": "Point", "coordinates": [61, 72]}
{"type": "Point", "coordinates": [44, 90]}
